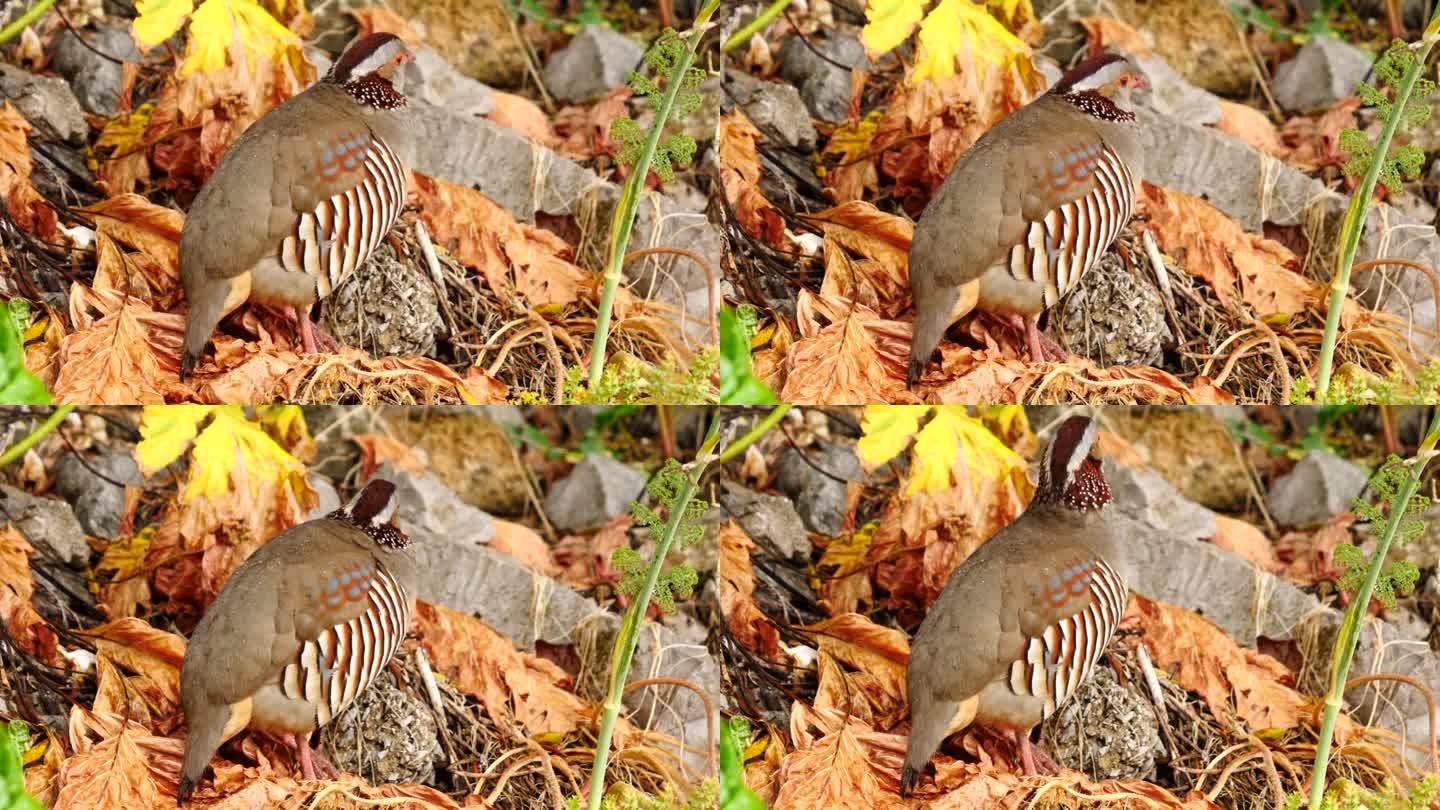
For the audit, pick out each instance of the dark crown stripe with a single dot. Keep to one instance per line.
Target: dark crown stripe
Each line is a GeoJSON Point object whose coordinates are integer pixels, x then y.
{"type": "Point", "coordinates": [1083, 71]}
{"type": "Point", "coordinates": [372, 501]}
{"type": "Point", "coordinates": [358, 52]}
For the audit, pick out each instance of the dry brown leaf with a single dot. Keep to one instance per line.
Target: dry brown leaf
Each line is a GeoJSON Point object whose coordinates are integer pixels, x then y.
{"type": "Point", "coordinates": [1314, 143]}
{"type": "Point", "coordinates": [1251, 126]}
{"type": "Point", "coordinates": [861, 668]}
{"type": "Point", "coordinates": [740, 177]}
{"type": "Point", "coordinates": [836, 765]}
{"type": "Point", "coordinates": [1104, 32]}
{"type": "Point", "coordinates": [121, 352]}
{"type": "Point", "coordinates": [117, 763]}
{"type": "Point", "coordinates": [511, 256]}
{"type": "Point", "coordinates": [524, 116]}
{"type": "Point", "coordinates": [511, 684]}
{"type": "Point", "coordinates": [1309, 557]}
{"type": "Point", "coordinates": [1239, 537]}
{"type": "Point", "coordinates": [522, 543]}
{"type": "Point", "coordinates": [152, 655]}
{"type": "Point", "coordinates": [23, 625]}
{"type": "Point", "coordinates": [376, 449]}
{"type": "Point", "coordinates": [867, 257]}
{"type": "Point", "coordinates": [585, 560]}
{"type": "Point", "coordinates": [137, 249]}
{"type": "Point", "coordinates": [1233, 682]}
{"type": "Point", "coordinates": [1214, 247]}
{"type": "Point", "coordinates": [26, 206]}
{"type": "Point", "coordinates": [377, 18]}
{"type": "Point", "coordinates": [846, 355]}
{"type": "Point", "coordinates": [747, 622]}
{"type": "Point", "coordinates": [586, 129]}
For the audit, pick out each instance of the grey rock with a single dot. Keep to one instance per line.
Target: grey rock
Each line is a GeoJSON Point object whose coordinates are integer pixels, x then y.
{"type": "Point", "coordinates": [46, 102]}
{"type": "Point", "coordinates": [1258, 189]}
{"type": "Point", "coordinates": [433, 80]}
{"type": "Point", "coordinates": [596, 490]}
{"type": "Point", "coordinates": [99, 505]}
{"type": "Point", "coordinates": [1168, 560]}
{"type": "Point", "coordinates": [1382, 648]}
{"type": "Point", "coordinates": [95, 79]}
{"type": "Point", "coordinates": [527, 179]}
{"type": "Point", "coordinates": [775, 108]}
{"type": "Point", "coordinates": [1321, 485]}
{"type": "Point", "coordinates": [1115, 317]}
{"type": "Point", "coordinates": [824, 85]}
{"type": "Point", "coordinates": [429, 512]}
{"type": "Point", "coordinates": [769, 518]}
{"type": "Point", "coordinates": [458, 570]}
{"type": "Point", "coordinates": [1170, 94]}
{"type": "Point", "coordinates": [1324, 71]}
{"type": "Point", "coordinates": [47, 523]}
{"type": "Point", "coordinates": [387, 307]}
{"type": "Point", "coordinates": [1106, 731]}
{"type": "Point", "coordinates": [387, 736]}
{"type": "Point", "coordinates": [818, 497]}
{"type": "Point", "coordinates": [597, 59]}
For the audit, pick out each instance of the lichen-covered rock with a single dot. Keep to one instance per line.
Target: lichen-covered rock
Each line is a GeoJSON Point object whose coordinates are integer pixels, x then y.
{"type": "Point", "coordinates": [388, 307]}
{"type": "Point", "coordinates": [387, 736]}
{"type": "Point", "coordinates": [1113, 318]}
{"type": "Point", "coordinates": [1105, 731]}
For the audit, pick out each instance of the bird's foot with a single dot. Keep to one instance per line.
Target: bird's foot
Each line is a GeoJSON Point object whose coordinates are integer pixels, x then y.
{"type": "Point", "coordinates": [1042, 347]}
{"type": "Point", "coordinates": [307, 757]}
{"type": "Point", "coordinates": [1032, 758]}
{"type": "Point", "coordinates": [312, 338]}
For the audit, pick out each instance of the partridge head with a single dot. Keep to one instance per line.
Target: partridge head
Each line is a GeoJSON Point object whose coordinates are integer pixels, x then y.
{"type": "Point", "coordinates": [302, 198]}
{"type": "Point", "coordinates": [298, 631]}
{"type": "Point", "coordinates": [1022, 622]}
{"type": "Point", "coordinates": [1029, 208]}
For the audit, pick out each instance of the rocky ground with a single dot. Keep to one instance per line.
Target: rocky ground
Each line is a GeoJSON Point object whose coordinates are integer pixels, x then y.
{"type": "Point", "coordinates": [1241, 117]}
{"type": "Point", "coordinates": [1233, 516]}
{"type": "Point", "coordinates": [517, 112]}
{"type": "Point", "coordinates": [516, 534]}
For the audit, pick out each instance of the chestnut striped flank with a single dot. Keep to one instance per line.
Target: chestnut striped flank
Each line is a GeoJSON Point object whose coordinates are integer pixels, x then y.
{"type": "Point", "coordinates": [341, 233]}
{"type": "Point", "coordinates": [1057, 662]}
{"type": "Point", "coordinates": [330, 671]}
{"type": "Point", "coordinates": [1058, 249]}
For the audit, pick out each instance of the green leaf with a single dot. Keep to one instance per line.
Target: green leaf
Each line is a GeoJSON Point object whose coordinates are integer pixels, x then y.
{"type": "Point", "coordinates": [17, 385]}
{"type": "Point", "coordinates": [734, 793]}
{"type": "Point", "coordinates": [14, 740]}
{"type": "Point", "coordinates": [738, 383]}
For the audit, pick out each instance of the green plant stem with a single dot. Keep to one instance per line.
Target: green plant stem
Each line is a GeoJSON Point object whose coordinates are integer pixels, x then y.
{"type": "Point", "coordinates": [629, 634]}
{"type": "Point", "coordinates": [624, 220]}
{"type": "Point", "coordinates": [755, 26]}
{"type": "Point", "coordinates": [24, 20]}
{"type": "Point", "coordinates": [30, 439]}
{"type": "Point", "coordinates": [1355, 214]}
{"type": "Point", "coordinates": [1355, 614]}
{"type": "Point", "coordinates": [753, 435]}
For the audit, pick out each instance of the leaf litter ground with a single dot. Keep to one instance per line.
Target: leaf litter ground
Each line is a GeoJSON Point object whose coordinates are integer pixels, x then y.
{"type": "Point", "coordinates": [516, 303]}
{"type": "Point", "coordinates": [814, 652]}
{"type": "Point", "coordinates": [512, 728]}
{"type": "Point", "coordinates": [826, 264]}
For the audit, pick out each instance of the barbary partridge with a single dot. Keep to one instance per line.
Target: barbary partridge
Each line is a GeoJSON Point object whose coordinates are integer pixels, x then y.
{"type": "Point", "coordinates": [1022, 622]}
{"type": "Point", "coordinates": [1028, 209]}
{"type": "Point", "coordinates": [302, 198]}
{"type": "Point", "coordinates": [300, 629]}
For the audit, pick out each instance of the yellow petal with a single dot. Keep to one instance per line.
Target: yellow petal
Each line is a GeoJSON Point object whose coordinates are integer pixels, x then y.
{"type": "Point", "coordinates": [158, 20]}
{"type": "Point", "coordinates": [887, 429]}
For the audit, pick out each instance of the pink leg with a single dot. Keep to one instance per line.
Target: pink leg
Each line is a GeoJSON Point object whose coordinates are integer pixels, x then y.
{"type": "Point", "coordinates": [307, 330]}
{"type": "Point", "coordinates": [302, 747]}
{"type": "Point", "coordinates": [1027, 750]}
